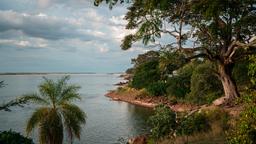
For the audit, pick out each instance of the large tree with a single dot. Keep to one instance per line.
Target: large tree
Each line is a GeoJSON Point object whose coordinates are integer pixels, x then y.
{"type": "Point", "coordinates": [222, 31]}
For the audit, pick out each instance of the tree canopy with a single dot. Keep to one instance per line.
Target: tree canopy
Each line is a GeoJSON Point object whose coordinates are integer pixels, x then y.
{"type": "Point", "coordinates": [222, 31]}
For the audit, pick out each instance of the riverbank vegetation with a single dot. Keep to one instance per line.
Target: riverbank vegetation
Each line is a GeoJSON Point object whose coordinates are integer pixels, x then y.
{"type": "Point", "coordinates": [206, 51]}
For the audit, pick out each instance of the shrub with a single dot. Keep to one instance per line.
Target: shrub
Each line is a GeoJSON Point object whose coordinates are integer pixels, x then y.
{"type": "Point", "coordinates": [245, 130]}
{"type": "Point", "coordinates": [163, 122]}
{"type": "Point", "coordinates": [193, 124]}
{"type": "Point", "coordinates": [142, 93]}
{"type": "Point", "coordinates": [145, 74]}
{"type": "Point", "coordinates": [218, 116]}
{"type": "Point", "coordinates": [11, 137]}
{"type": "Point", "coordinates": [240, 72]}
{"type": "Point", "coordinates": [157, 89]}
{"type": "Point", "coordinates": [205, 86]}
{"type": "Point", "coordinates": [179, 84]}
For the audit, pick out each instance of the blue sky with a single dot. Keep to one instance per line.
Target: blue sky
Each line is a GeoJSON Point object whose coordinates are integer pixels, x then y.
{"type": "Point", "coordinates": [62, 36]}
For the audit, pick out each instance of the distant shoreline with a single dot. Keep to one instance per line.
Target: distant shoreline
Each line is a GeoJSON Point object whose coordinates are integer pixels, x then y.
{"type": "Point", "coordinates": [55, 73]}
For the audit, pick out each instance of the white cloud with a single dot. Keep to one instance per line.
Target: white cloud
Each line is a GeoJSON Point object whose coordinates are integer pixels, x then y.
{"type": "Point", "coordinates": [62, 33]}
{"type": "Point", "coordinates": [43, 26]}
{"type": "Point", "coordinates": [118, 20]}
{"type": "Point", "coordinates": [104, 50]}
{"type": "Point", "coordinates": [24, 43]}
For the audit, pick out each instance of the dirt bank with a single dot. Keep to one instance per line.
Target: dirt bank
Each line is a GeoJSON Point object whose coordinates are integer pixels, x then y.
{"type": "Point", "coordinates": [149, 102]}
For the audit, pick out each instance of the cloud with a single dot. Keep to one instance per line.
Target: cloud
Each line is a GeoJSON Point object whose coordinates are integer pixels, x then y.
{"type": "Point", "coordinates": [104, 50]}
{"type": "Point", "coordinates": [62, 35]}
{"type": "Point", "coordinates": [43, 3]}
{"type": "Point", "coordinates": [31, 43]}
{"type": "Point", "coordinates": [44, 26]}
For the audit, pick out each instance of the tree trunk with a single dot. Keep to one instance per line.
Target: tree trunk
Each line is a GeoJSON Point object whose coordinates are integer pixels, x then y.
{"type": "Point", "coordinates": [229, 85]}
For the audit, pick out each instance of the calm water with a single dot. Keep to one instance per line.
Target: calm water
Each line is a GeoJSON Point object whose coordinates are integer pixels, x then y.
{"type": "Point", "coordinates": [107, 121]}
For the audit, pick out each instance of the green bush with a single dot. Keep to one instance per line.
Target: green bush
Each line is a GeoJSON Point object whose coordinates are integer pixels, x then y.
{"type": "Point", "coordinates": [240, 72]}
{"type": "Point", "coordinates": [157, 89]}
{"type": "Point", "coordinates": [245, 130]}
{"type": "Point", "coordinates": [218, 116]}
{"type": "Point", "coordinates": [192, 124]}
{"type": "Point", "coordinates": [11, 137]}
{"type": "Point", "coordinates": [179, 84]}
{"type": "Point", "coordinates": [205, 86]}
{"type": "Point", "coordinates": [162, 122]}
{"type": "Point", "coordinates": [145, 74]}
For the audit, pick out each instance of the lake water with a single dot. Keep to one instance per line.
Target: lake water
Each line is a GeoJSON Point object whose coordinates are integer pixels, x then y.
{"type": "Point", "coordinates": [108, 121]}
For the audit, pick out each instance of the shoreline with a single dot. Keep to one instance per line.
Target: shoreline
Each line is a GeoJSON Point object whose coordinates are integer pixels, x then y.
{"type": "Point", "coordinates": [117, 97]}
{"type": "Point", "coordinates": [149, 102]}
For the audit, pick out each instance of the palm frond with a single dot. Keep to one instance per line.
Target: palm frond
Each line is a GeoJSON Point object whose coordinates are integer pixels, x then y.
{"type": "Point", "coordinates": [35, 98]}
{"type": "Point", "coordinates": [63, 80]}
{"type": "Point", "coordinates": [75, 111]}
{"type": "Point", "coordinates": [21, 101]}
{"type": "Point", "coordinates": [51, 128]}
{"type": "Point", "coordinates": [2, 84]}
{"type": "Point", "coordinates": [69, 93]}
{"type": "Point", "coordinates": [55, 124]}
{"type": "Point", "coordinates": [72, 124]}
{"type": "Point", "coordinates": [48, 90]}
{"type": "Point", "coordinates": [69, 97]}
{"type": "Point", "coordinates": [61, 85]}
{"type": "Point", "coordinates": [36, 118]}
{"type": "Point", "coordinates": [43, 133]}
{"type": "Point", "coordinates": [74, 117]}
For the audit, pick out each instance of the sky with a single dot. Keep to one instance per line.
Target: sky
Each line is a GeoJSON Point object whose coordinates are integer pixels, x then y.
{"type": "Point", "coordinates": [63, 36]}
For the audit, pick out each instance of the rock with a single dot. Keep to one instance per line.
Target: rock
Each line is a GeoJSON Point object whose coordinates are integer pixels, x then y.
{"type": "Point", "coordinates": [219, 101]}
{"type": "Point", "coordinates": [142, 139]}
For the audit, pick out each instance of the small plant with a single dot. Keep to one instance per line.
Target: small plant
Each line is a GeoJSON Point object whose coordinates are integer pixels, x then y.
{"type": "Point", "coordinates": [163, 122]}
{"type": "Point", "coordinates": [12, 137]}
{"type": "Point", "coordinates": [193, 124]}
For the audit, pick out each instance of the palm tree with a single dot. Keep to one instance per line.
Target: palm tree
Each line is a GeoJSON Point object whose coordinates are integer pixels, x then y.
{"type": "Point", "coordinates": [56, 112]}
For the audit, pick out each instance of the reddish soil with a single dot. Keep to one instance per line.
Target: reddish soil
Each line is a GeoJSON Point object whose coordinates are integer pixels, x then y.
{"type": "Point", "coordinates": [149, 102]}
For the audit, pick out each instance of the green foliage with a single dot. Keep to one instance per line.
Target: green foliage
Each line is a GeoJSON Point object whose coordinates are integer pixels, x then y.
{"type": "Point", "coordinates": [162, 122]}
{"type": "Point", "coordinates": [218, 116]}
{"type": "Point", "coordinates": [171, 61]}
{"type": "Point", "coordinates": [222, 31]}
{"type": "Point", "coordinates": [129, 71]}
{"type": "Point", "coordinates": [16, 102]}
{"type": "Point", "coordinates": [157, 88]}
{"type": "Point", "coordinates": [145, 75]}
{"type": "Point", "coordinates": [110, 2]}
{"type": "Point", "coordinates": [56, 112]}
{"type": "Point", "coordinates": [192, 124]}
{"type": "Point", "coordinates": [252, 69]}
{"type": "Point", "coordinates": [179, 83]}
{"type": "Point", "coordinates": [205, 86]}
{"type": "Point", "coordinates": [240, 72]}
{"type": "Point", "coordinates": [144, 58]}
{"type": "Point", "coordinates": [12, 137]}
{"type": "Point", "coordinates": [245, 130]}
